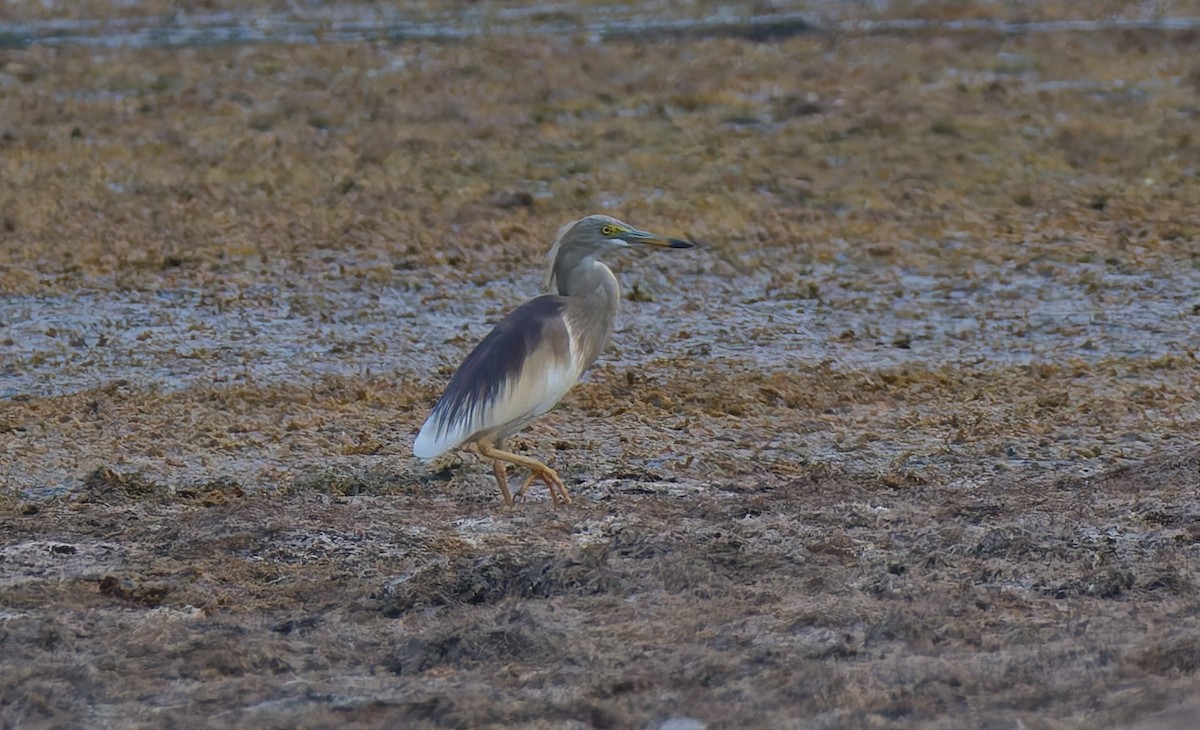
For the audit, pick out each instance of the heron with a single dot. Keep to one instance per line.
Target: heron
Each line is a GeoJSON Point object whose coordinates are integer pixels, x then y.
{"type": "Point", "coordinates": [529, 361]}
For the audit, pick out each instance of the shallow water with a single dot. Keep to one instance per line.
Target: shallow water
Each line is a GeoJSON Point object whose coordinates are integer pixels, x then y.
{"type": "Point", "coordinates": [349, 22]}
{"type": "Point", "coordinates": [862, 319]}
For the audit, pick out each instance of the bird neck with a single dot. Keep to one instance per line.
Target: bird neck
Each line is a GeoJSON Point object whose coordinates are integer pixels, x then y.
{"type": "Point", "coordinates": [578, 274]}
{"type": "Point", "coordinates": [593, 297]}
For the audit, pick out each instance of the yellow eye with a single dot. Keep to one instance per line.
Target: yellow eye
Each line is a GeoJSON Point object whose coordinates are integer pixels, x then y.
{"type": "Point", "coordinates": [608, 230]}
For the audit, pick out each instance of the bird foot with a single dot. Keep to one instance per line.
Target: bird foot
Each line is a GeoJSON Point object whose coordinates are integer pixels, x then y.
{"type": "Point", "coordinates": [538, 470]}
{"type": "Point", "coordinates": [558, 490]}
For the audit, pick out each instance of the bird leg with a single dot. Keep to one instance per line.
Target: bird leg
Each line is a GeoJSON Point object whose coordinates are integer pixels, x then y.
{"type": "Point", "coordinates": [550, 484]}
{"type": "Point", "coordinates": [525, 487]}
{"type": "Point", "coordinates": [558, 490]}
{"type": "Point", "coordinates": [502, 480]}
{"type": "Point", "coordinates": [554, 483]}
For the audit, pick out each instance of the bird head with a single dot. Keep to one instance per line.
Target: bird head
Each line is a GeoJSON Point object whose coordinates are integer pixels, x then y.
{"type": "Point", "coordinates": [595, 234]}
{"type": "Point", "coordinates": [600, 232]}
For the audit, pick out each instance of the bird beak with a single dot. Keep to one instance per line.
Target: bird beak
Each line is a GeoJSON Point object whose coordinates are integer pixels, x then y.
{"type": "Point", "coordinates": [653, 239]}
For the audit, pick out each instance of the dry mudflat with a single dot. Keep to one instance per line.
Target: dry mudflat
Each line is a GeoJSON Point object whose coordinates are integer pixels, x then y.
{"type": "Point", "coordinates": [910, 440]}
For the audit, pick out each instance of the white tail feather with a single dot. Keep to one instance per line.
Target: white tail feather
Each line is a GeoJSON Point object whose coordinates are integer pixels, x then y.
{"type": "Point", "coordinates": [429, 444]}
{"type": "Point", "coordinates": [534, 392]}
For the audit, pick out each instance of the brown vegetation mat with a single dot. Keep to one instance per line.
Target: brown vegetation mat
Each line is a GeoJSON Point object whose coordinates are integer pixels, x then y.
{"type": "Point", "coordinates": [908, 441]}
{"type": "Point", "coordinates": [1050, 602]}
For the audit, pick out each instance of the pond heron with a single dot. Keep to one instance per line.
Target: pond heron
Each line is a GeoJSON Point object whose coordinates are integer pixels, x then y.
{"type": "Point", "coordinates": [533, 357]}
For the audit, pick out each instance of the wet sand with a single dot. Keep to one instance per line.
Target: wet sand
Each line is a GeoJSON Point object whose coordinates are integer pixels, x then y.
{"type": "Point", "coordinates": [908, 441]}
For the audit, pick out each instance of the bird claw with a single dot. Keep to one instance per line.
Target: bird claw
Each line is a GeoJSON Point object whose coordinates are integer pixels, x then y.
{"type": "Point", "coordinates": [558, 490]}
{"type": "Point", "coordinates": [538, 470]}
{"type": "Point", "coordinates": [525, 487]}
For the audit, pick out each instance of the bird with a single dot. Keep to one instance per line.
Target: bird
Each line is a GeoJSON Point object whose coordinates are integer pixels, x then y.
{"type": "Point", "coordinates": [529, 361]}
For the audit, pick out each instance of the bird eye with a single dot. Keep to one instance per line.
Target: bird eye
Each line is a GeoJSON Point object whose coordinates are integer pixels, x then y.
{"type": "Point", "coordinates": [608, 230]}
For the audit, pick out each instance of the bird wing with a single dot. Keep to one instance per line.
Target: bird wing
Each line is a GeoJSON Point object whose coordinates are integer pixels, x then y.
{"type": "Point", "coordinates": [519, 371]}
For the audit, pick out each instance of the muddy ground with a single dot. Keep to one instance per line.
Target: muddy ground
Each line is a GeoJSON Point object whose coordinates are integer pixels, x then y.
{"type": "Point", "coordinates": [909, 440]}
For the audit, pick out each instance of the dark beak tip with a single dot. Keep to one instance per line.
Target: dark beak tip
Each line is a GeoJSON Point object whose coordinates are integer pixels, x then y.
{"type": "Point", "coordinates": [677, 243]}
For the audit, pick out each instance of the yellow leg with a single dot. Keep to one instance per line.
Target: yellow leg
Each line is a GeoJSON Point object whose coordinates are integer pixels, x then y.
{"type": "Point", "coordinates": [525, 487]}
{"type": "Point", "coordinates": [502, 480]}
{"type": "Point", "coordinates": [558, 490]}
{"type": "Point", "coordinates": [551, 485]}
